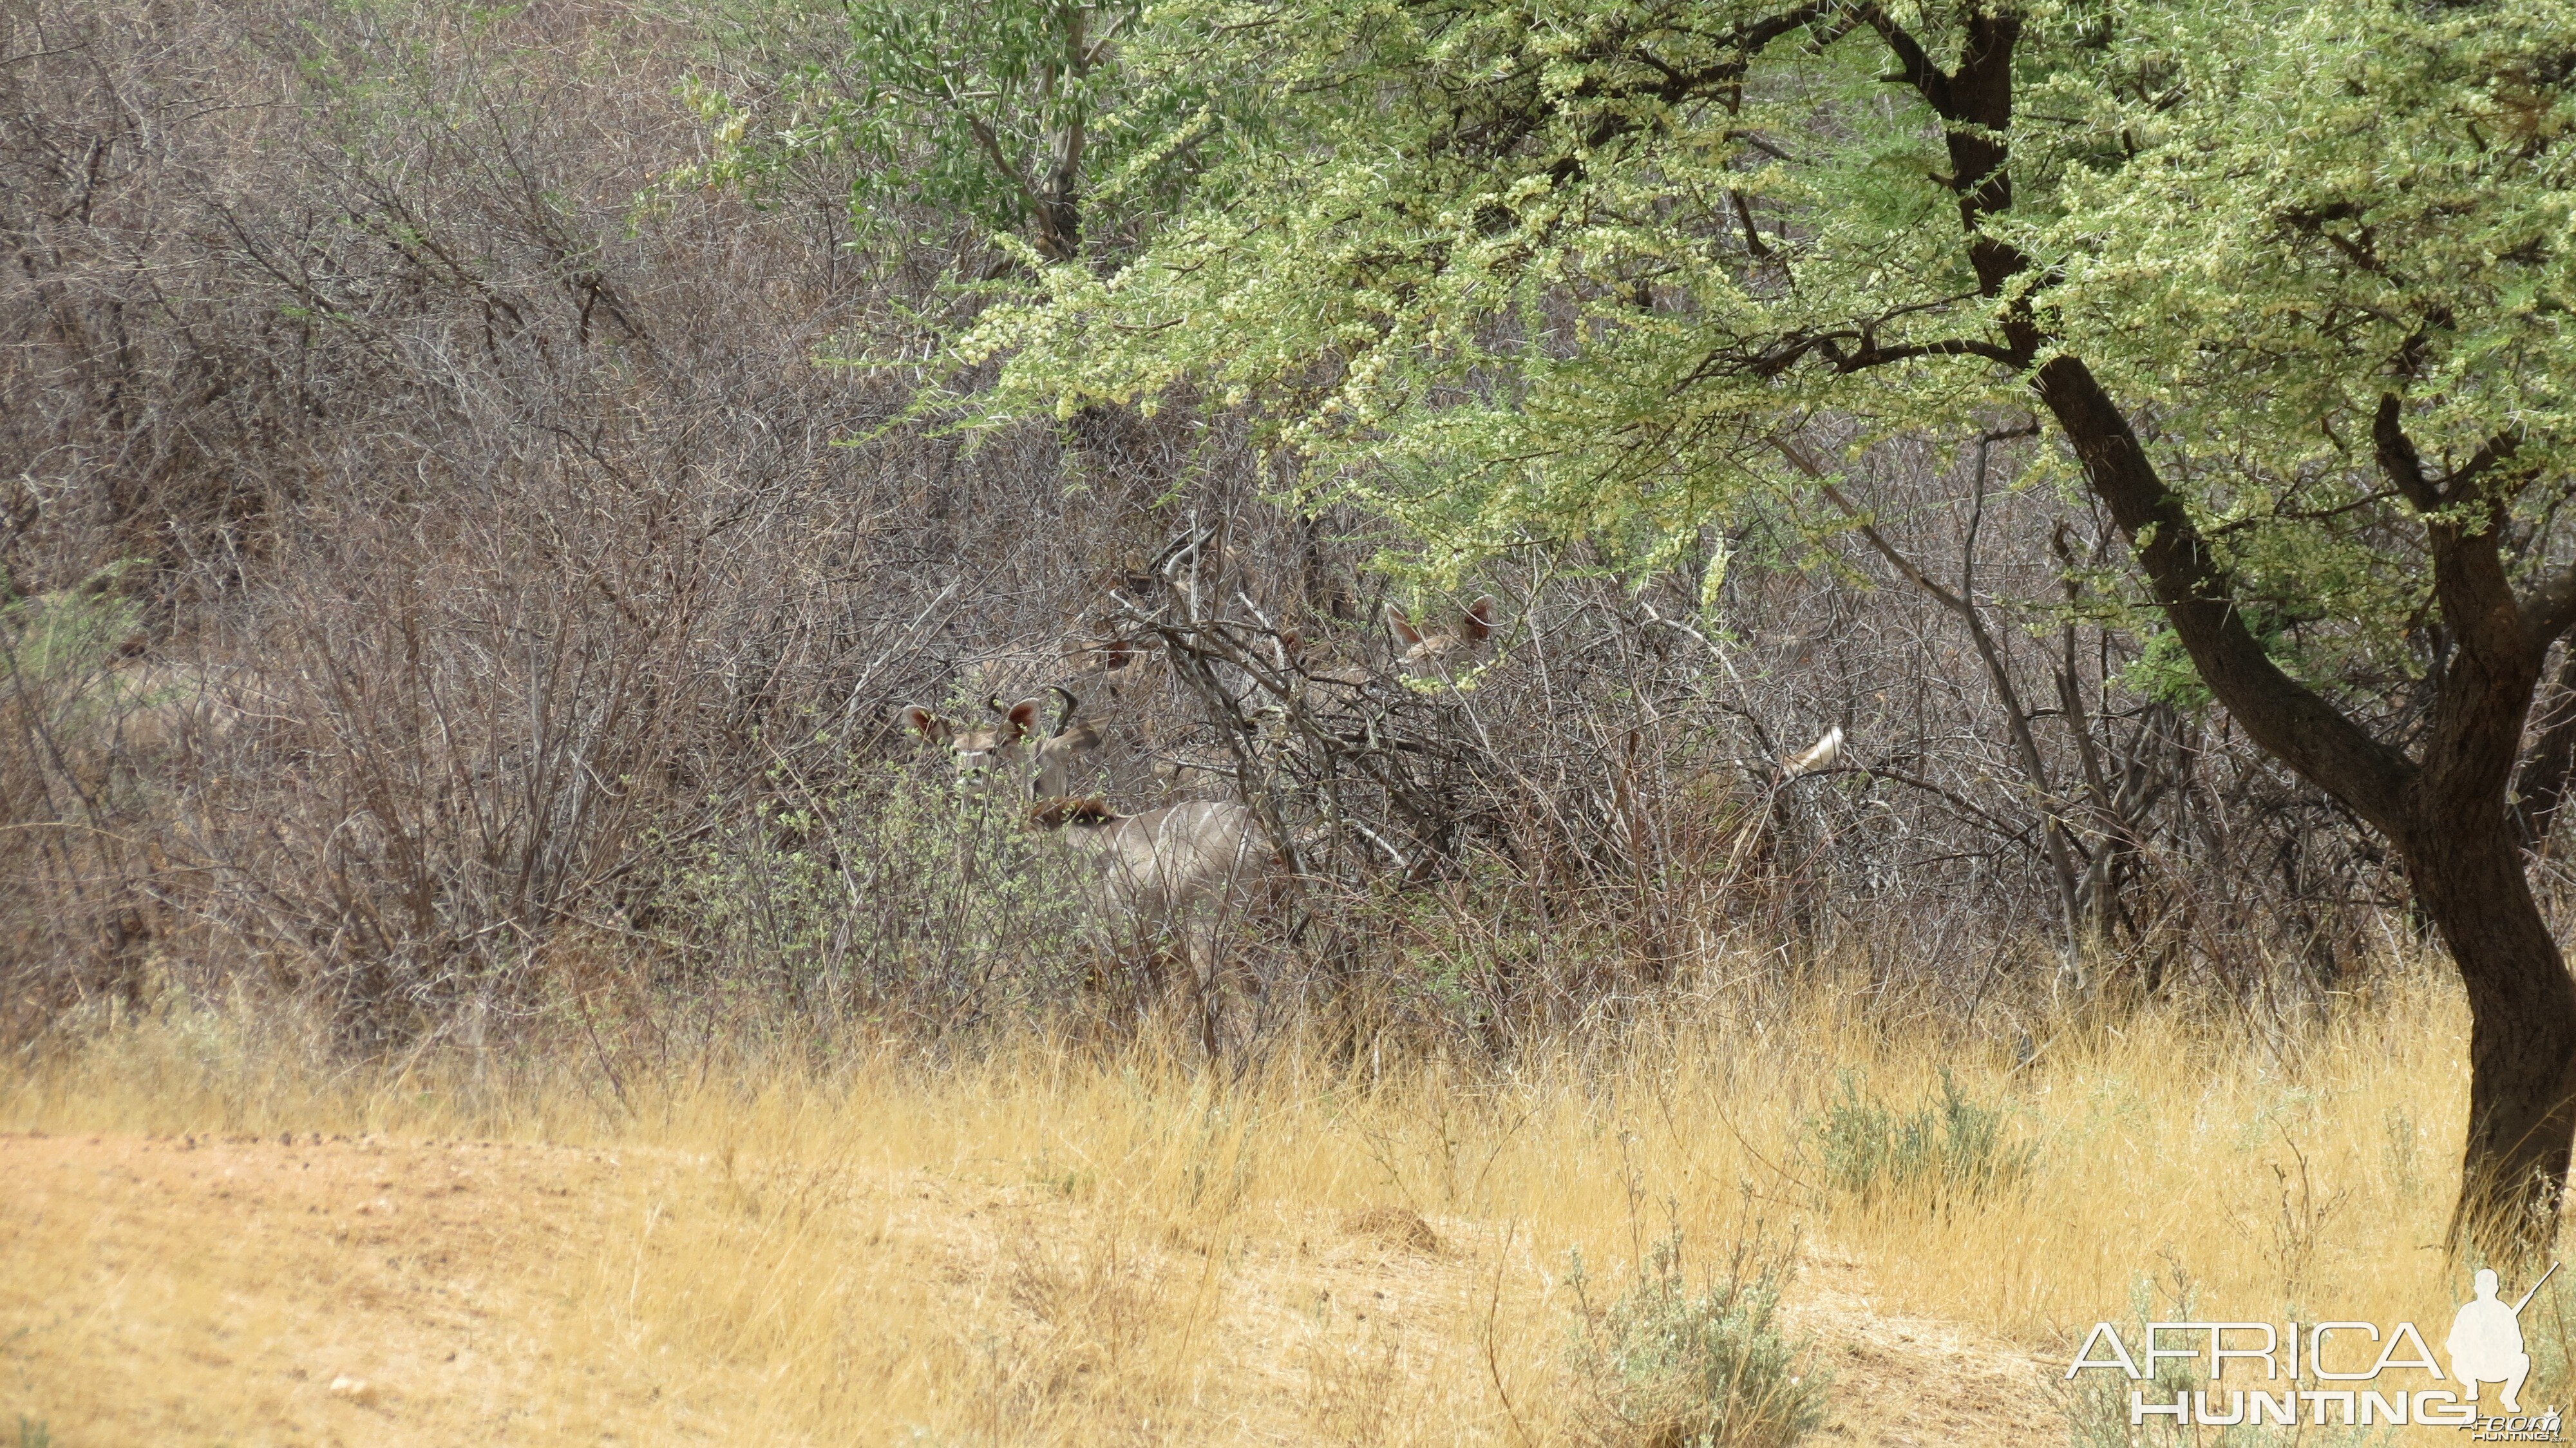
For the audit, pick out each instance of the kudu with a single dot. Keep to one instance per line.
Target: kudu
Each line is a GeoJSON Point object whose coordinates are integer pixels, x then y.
{"type": "Point", "coordinates": [1161, 885]}
{"type": "Point", "coordinates": [985, 757]}
{"type": "Point", "coordinates": [1432, 653]}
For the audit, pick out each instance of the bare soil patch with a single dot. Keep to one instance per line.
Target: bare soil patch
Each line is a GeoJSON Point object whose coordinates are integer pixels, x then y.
{"type": "Point", "coordinates": [310, 1291]}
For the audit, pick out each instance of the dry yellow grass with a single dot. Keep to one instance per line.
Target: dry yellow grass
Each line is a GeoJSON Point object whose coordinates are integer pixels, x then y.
{"type": "Point", "coordinates": [1047, 1245]}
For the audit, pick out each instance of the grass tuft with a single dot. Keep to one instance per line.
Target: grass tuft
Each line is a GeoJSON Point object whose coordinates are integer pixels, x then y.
{"type": "Point", "coordinates": [1953, 1150]}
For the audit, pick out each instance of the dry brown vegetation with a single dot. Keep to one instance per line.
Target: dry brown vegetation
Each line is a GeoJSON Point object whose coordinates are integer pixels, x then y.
{"type": "Point", "coordinates": [435, 561]}
{"type": "Point", "coordinates": [1048, 1244]}
{"type": "Point", "coordinates": [451, 629]}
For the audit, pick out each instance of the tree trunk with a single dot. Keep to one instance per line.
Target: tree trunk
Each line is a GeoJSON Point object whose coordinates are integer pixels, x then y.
{"type": "Point", "coordinates": [2465, 863]}
{"type": "Point", "coordinates": [2446, 811]}
{"type": "Point", "coordinates": [2445, 814]}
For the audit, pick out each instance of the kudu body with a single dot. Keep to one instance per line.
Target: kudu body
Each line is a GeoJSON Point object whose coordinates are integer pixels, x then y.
{"type": "Point", "coordinates": [1167, 882]}
{"type": "Point", "coordinates": [1162, 885]}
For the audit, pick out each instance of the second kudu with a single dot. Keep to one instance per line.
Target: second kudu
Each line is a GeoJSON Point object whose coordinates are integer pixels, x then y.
{"type": "Point", "coordinates": [1161, 885]}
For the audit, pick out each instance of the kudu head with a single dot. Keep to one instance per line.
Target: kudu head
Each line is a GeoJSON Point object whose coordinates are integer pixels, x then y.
{"type": "Point", "coordinates": [1431, 653]}
{"type": "Point", "coordinates": [1011, 753]}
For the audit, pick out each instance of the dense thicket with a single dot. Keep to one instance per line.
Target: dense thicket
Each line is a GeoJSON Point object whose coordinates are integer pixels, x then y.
{"type": "Point", "coordinates": [447, 580]}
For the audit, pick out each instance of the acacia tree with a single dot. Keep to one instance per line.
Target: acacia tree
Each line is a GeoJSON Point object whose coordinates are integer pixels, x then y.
{"type": "Point", "coordinates": [2288, 284]}
{"type": "Point", "coordinates": [1016, 116]}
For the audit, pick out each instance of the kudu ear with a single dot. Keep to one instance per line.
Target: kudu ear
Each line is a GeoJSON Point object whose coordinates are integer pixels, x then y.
{"type": "Point", "coordinates": [1023, 717]}
{"type": "Point", "coordinates": [1478, 621]}
{"type": "Point", "coordinates": [1097, 655]}
{"type": "Point", "coordinates": [924, 723]}
{"type": "Point", "coordinates": [1405, 632]}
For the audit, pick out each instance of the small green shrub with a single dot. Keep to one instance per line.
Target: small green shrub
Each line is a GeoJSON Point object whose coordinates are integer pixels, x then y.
{"type": "Point", "coordinates": [888, 893]}
{"type": "Point", "coordinates": [67, 636]}
{"type": "Point", "coordinates": [1669, 1367]}
{"type": "Point", "coordinates": [2097, 1403]}
{"type": "Point", "coordinates": [1953, 1149]}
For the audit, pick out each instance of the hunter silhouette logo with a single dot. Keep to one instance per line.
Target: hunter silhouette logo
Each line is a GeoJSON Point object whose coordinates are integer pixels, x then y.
{"type": "Point", "coordinates": [2352, 1387]}
{"type": "Point", "coordinates": [2486, 1340]}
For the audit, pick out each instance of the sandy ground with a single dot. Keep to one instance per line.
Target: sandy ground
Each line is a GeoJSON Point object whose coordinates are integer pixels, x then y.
{"type": "Point", "coordinates": [353, 1292]}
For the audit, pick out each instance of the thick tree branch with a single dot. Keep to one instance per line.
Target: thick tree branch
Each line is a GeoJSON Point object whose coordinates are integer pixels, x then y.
{"type": "Point", "coordinates": [2491, 454]}
{"type": "Point", "coordinates": [2469, 577]}
{"type": "Point", "coordinates": [1778, 358]}
{"type": "Point", "coordinates": [1914, 66]}
{"type": "Point", "coordinates": [1871, 354]}
{"type": "Point", "coordinates": [2199, 598]}
{"type": "Point", "coordinates": [2399, 460]}
{"type": "Point", "coordinates": [2197, 594]}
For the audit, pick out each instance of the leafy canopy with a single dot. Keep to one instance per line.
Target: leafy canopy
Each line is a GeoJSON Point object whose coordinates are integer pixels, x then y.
{"type": "Point", "coordinates": [1016, 116]}
{"type": "Point", "coordinates": [1523, 270]}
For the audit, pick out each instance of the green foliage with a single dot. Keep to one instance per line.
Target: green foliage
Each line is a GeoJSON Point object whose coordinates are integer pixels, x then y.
{"type": "Point", "coordinates": [2163, 672]}
{"type": "Point", "coordinates": [67, 637]}
{"type": "Point", "coordinates": [891, 895]}
{"type": "Point", "coordinates": [1951, 1151]}
{"type": "Point", "coordinates": [1517, 273]}
{"type": "Point", "coordinates": [1670, 1367]}
{"type": "Point", "coordinates": [59, 655]}
{"type": "Point", "coordinates": [1016, 116]}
